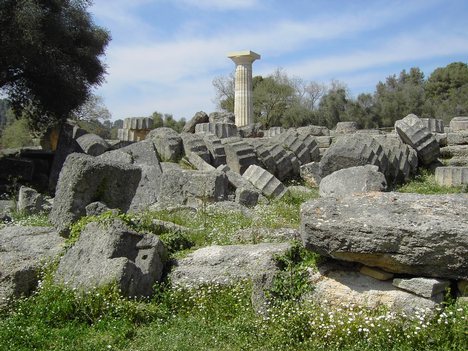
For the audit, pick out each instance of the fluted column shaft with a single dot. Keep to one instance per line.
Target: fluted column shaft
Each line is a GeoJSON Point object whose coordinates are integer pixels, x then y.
{"type": "Point", "coordinates": [243, 102]}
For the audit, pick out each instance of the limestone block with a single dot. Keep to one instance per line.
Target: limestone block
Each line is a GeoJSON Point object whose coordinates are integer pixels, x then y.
{"type": "Point", "coordinates": [23, 253]}
{"type": "Point", "coordinates": [195, 143]}
{"type": "Point", "coordinates": [346, 128]}
{"type": "Point", "coordinates": [425, 287]}
{"type": "Point", "coordinates": [192, 188]}
{"type": "Point", "coordinates": [226, 264]}
{"type": "Point", "coordinates": [222, 117]}
{"type": "Point", "coordinates": [400, 233]}
{"type": "Point", "coordinates": [340, 286]}
{"type": "Point", "coordinates": [376, 273]}
{"type": "Point", "coordinates": [85, 179]}
{"type": "Point", "coordinates": [458, 138]}
{"type": "Point", "coordinates": [433, 125]}
{"type": "Point", "coordinates": [413, 132]}
{"type": "Point", "coordinates": [216, 149]}
{"type": "Point", "coordinates": [323, 141]}
{"type": "Point", "coordinates": [459, 123]}
{"type": "Point", "coordinates": [112, 252]}
{"type": "Point", "coordinates": [168, 143]}
{"type": "Point", "coordinates": [266, 182]}
{"type": "Point", "coordinates": [454, 151]}
{"type": "Point", "coordinates": [462, 286]}
{"type": "Point", "coordinates": [31, 202]}
{"type": "Point", "coordinates": [199, 163]}
{"type": "Point", "coordinates": [314, 130]}
{"type": "Point", "coordinates": [93, 144]}
{"type": "Point", "coordinates": [310, 173]}
{"type": "Point", "coordinates": [221, 130]}
{"type": "Point", "coordinates": [451, 176]}
{"type": "Point", "coordinates": [247, 197]}
{"type": "Point", "coordinates": [239, 156]}
{"type": "Point", "coordinates": [352, 180]}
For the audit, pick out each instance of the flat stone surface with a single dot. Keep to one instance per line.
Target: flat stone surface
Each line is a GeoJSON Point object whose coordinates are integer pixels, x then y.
{"type": "Point", "coordinates": [23, 250]}
{"type": "Point", "coordinates": [376, 273]}
{"type": "Point", "coordinates": [422, 235]}
{"type": "Point", "coordinates": [362, 179]}
{"type": "Point", "coordinates": [451, 176]}
{"type": "Point", "coordinates": [424, 287]}
{"type": "Point", "coordinates": [112, 252]}
{"type": "Point", "coordinates": [337, 287]}
{"type": "Point", "coordinates": [226, 264]}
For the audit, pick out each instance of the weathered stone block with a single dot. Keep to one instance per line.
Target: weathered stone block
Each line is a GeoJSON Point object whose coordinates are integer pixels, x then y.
{"type": "Point", "coordinates": [346, 128]}
{"type": "Point", "coordinates": [400, 233]}
{"type": "Point", "coordinates": [93, 144]}
{"type": "Point", "coordinates": [168, 144]}
{"type": "Point", "coordinates": [108, 253]}
{"type": "Point", "coordinates": [266, 182]}
{"type": "Point", "coordinates": [424, 287]}
{"type": "Point", "coordinates": [85, 179]}
{"type": "Point", "coordinates": [458, 138]}
{"type": "Point", "coordinates": [433, 125]}
{"type": "Point", "coordinates": [361, 179]}
{"type": "Point", "coordinates": [413, 132]}
{"type": "Point", "coordinates": [451, 176]}
{"type": "Point", "coordinates": [459, 123]}
{"type": "Point", "coordinates": [193, 188]}
{"type": "Point", "coordinates": [239, 156]}
{"type": "Point", "coordinates": [199, 117]}
{"type": "Point", "coordinates": [22, 255]}
{"type": "Point", "coordinates": [376, 273]}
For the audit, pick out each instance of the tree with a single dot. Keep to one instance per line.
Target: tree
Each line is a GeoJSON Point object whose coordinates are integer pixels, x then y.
{"type": "Point", "coordinates": [224, 87]}
{"type": "Point", "coordinates": [50, 57]}
{"type": "Point", "coordinates": [16, 134]}
{"type": "Point", "coordinates": [447, 91]}
{"type": "Point", "coordinates": [333, 106]}
{"type": "Point", "coordinates": [93, 109]}
{"type": "Point", "coordinates": [400, 96]}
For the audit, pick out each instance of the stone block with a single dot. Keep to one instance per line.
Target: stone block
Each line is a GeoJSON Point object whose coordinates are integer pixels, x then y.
{"type": "Point", "coordinates": [192, 188]}
{"type": "Point", "coordinates": [346, 128]}
{"type": "Point", "coordinates": [195, 143]}
{"type": "Point", "coordinates": [168, 144]}
{"type": "Point", "coordinates": [239, 156]}
{"type": "Point", "coordinates": [400, 233]}
{"type": "Point", "coordinates": [266, 182]}
{"type": "Point", "coordinates": [93, 144]}
{"type": "Point", "coordinates": [113, 253]}
{"type": "Point", "coordinates": [247, 197]}
{"type": "Point", "coordinates": [323, 141]}
{"type": "Point", "coordinates": [451, 176]}
{"type": "Point", "coordinates": [226, 264]}
{"type": "Point", "coordinates": [459, 123]}
{"type": "Point", "coordinates": [460, 151]}
{"type": "Point", "coordinates": [433, 125]}
{"type": "Point", "coordinates": [458, 138]}
{"type": "Point", "coordinates": [199, 117]}
{"type": "Point", "coordinates": [31, 202]}
{"type": "Point", "coordinates": [413, 132]}
{"type": "Point", "coordinates": [376, 273]}
{"type": "Point", "coordinates": [462, 286]}
{"type": "Point", "coordinates": [425, 287]}
{"type": "Point", "coordinates": [314, 130]}
{"type": "Point", "coordinates": [22, 255]}
{"type": "Point", "coordinates": [361, 179]}
{"type": "Point", "coordinates": [199, 163]}
{"type": "Point", "coordinates": [222, 117]}
{"type": "Point", "coordinates": [85, 179]}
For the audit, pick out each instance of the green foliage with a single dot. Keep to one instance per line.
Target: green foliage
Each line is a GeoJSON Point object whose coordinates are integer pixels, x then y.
{"type": "Point", "coordinates": [50, 57]}
{"type": "Point", "coordinates": [424, 183]}
{"type": "Point", "coordinates": [447, 91]}
{"type": "Point", "coordinates": [16, 135]}
{"type": "Point", "coordinates": [35, 220]}
{"type": "Point", "coordinates": [292, 282]}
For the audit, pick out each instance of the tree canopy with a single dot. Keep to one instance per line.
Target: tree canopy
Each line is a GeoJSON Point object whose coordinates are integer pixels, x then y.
{"type": "Point", "coordinates": [280, 100]}
{"type": "Point", "coordinates": [50, 57]}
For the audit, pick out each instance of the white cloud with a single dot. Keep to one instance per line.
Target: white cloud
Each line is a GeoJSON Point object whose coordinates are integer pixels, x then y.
{"type": "Point", "coordinates": [220, 5]}
{"type": "Point", "coordinates": [401, 49]}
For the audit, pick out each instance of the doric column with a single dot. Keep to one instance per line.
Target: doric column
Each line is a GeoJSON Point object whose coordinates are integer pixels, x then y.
{"type": "Point", "coordinates": [243, 103]}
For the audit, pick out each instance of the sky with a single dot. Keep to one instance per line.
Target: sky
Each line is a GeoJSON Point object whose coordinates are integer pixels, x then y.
{"type": "Point", "coordinates": [164, 54]}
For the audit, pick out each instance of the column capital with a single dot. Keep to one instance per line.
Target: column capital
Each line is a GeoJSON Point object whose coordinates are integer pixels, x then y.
{"type": "Point", "coordinates": [245, 56]}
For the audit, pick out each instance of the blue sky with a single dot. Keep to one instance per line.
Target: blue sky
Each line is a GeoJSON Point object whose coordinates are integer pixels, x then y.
{"type": "Point", "coordinates": [164, 54]}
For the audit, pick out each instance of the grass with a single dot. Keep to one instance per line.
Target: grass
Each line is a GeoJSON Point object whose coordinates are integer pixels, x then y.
{"type": "Point", "coordinates": [424, 183]}
{"type": "Point", "coordinates": [215, 317]}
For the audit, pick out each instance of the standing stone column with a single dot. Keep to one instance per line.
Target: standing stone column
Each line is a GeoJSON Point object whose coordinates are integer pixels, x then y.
{"type": "Point", "coordinates": [243, 103]}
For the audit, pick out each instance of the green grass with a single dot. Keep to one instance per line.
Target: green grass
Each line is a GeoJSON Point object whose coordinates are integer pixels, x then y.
{"type": "Point", "coordinates": [424, 183]}
{"type": "Point", "coordinates": [218, 317]}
